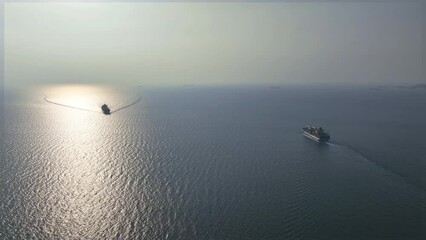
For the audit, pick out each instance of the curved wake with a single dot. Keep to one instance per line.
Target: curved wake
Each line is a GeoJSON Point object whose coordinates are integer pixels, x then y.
{"type": "Point", "coordinates": [69, 106]}
{"type": "Point", "coordinates": [129, 105]}
{"type": "Point", "coordinates": [89, 110]}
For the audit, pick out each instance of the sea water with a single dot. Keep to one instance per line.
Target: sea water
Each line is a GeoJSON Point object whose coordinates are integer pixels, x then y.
{"type": "Point", "coordinates": [214, 163]}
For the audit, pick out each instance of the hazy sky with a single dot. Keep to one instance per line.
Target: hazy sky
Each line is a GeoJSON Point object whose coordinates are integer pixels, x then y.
{"type": "Point", "coordinates": [214, 43]}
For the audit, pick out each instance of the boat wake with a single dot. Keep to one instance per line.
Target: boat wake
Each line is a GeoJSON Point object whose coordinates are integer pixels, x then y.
{"type": "Point", "coordinates": [335, 145]}
{"type": "Point", "coordinates": [371, 161]}
{"type": "Point", "coordinates": [91, 110]}
{"type": "Point", "coordinates": [353, 151]}
{"type": "Point", "coordinates": [129, 105]}
{"type": "Point", "coordinates": [69, 106]}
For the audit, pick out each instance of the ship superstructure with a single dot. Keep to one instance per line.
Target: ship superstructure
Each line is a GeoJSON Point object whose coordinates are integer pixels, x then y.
{"type": "Point", "coordinates": [316, 133]}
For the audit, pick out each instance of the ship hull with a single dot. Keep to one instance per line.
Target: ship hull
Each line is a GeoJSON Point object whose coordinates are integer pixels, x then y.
{"type": "Point", "coordinates": [315, 138]}
{"type": "Point", "coordinates": [311, 136]}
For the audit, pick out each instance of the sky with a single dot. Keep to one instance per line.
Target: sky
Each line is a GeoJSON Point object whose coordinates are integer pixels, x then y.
{"type": "Point", "coordinates": [214, 43]}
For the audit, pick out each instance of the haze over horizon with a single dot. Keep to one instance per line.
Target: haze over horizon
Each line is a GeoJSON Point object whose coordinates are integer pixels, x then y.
{"type": "Point", "coordinates": [189, 119]}
{"type": "Point", "coordinates": [214, 43]}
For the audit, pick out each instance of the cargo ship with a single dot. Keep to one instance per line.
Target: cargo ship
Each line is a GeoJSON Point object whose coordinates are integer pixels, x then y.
{"type": "Point", "coordinates": [316, 133]}
{"type": "Point", "coordinates": [105, 109]}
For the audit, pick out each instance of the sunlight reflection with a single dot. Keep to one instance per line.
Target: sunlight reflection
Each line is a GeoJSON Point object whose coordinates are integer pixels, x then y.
{"type": "Point", "coordinates": [89, 97]}
{"type": "Point", "coordinates": [82, 189]}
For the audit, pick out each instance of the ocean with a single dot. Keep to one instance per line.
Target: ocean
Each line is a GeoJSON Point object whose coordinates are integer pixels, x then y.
{"type": "Point", "coordinates": [213, 162]}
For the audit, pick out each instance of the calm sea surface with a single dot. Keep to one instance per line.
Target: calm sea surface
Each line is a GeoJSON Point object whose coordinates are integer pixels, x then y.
{"type": "Point", "coordinates": [213, 163]}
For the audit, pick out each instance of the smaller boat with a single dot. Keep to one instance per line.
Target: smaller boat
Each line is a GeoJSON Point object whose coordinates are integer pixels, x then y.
{"type": "Point", "coordinates": [105, 109]}
{"type": "Point", "coordinates": [316, 133]}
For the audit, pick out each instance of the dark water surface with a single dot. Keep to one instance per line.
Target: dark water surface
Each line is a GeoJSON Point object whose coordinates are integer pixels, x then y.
{"type": "Point", "coordinates": [214, 163]}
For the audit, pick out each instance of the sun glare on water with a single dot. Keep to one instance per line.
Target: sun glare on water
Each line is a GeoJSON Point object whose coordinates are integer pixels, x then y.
{"type": "Point", "coordinates": [82, 97]}
{"type": "Point", "coordinates": [82, 192]}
